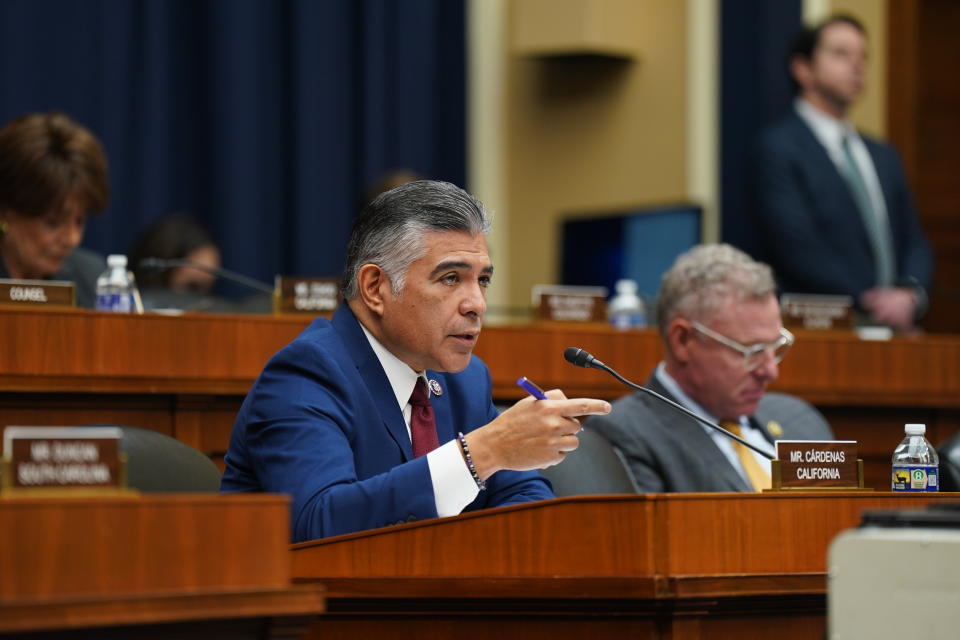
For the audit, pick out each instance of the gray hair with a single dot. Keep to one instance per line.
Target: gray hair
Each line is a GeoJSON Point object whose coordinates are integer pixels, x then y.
{"type": "Point", "coordinates": [390, 230]}
{"type": "Point", "coordinates": [706, 278]}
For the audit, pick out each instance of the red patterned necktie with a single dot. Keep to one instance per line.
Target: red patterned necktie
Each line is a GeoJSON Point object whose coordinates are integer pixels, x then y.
{"type": "Point", "coordinates": [423, 424]}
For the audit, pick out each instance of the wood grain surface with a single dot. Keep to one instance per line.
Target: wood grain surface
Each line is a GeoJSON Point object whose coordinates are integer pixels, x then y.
{"type": "Point", "coordinates": [187, 376]}
{"type": "Point", "coordinates": [70, 547]}
{"type": "Point", "coordinates": [678, 566]}
{"type": "Point", "coordinates": [159, 566]}
{"type": "Point", "coordinates": [607, 536]}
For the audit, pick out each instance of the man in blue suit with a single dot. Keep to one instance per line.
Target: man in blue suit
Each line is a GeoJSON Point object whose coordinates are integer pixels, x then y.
{"type": "Point", "coordinates": [834, 210]}
{"type": "Point", "coordinates": [383, 415]}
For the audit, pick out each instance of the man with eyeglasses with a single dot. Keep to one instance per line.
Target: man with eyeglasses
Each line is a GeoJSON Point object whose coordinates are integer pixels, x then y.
{"type": "Point", "coordinates": [723, 341]}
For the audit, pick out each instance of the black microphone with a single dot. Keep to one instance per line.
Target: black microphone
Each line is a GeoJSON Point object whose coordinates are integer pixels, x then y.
{"type": "Point", "coordinates": [581, 358]}
{"type": "Point", "coordinates": [170, 263]}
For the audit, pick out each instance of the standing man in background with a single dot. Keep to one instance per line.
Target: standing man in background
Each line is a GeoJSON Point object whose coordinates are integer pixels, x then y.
{"type": "Point", "coordinates": [834, 212]}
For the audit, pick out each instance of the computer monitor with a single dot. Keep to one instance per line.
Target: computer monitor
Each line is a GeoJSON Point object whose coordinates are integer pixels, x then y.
{"type": "Point", "coordinates": [639, 244]}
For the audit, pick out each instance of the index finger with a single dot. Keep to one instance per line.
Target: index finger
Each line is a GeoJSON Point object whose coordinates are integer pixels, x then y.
{"type": "Point", "coordinates": [583, 407]}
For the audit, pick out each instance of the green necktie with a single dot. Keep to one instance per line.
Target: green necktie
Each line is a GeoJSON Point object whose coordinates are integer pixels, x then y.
{"type": "Point", "coordinates": [877, 231]}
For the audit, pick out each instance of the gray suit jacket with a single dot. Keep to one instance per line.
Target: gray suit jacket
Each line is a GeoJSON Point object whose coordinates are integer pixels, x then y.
{"type": "Point", "coordinates": [670, 452]}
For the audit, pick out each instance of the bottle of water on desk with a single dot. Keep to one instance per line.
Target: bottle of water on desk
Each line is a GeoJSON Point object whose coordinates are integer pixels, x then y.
{"type": "Point", "coordinates": [915, 462]}
{"type": "Point", "coordinates": [116, 290]}
{"type": "Point", "coordinates": [626, 310]}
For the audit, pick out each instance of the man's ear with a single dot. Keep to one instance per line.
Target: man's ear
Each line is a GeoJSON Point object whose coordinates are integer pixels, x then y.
{"type": "Point", "coordinates": [802, 71]}
{"type": "Point", "coordinates": [679, 337]}
{"type": "Point", "coordinates": [373, 286]}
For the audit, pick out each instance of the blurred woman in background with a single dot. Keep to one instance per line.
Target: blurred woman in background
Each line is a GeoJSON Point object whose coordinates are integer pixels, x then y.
{"type": "Point", "coordinates": [176, 236]}
{"type": "Point", "coordinates": [53, 174]}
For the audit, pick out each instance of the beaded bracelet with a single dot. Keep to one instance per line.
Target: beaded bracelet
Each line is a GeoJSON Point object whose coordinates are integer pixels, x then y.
{"type": "Point", "coordinates": [466, 456]}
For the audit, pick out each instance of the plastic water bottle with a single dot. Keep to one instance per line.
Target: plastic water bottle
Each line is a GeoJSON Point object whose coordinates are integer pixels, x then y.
{"type": "Point", "coordinates": [626, 309]}
{"type": "Point", "coordinates": [115, 287]}
{"type": "Point", "coordinates": [916, 466]}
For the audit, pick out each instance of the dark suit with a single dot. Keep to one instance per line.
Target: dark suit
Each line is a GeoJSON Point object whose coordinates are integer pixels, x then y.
{"type": "Point", "coordinates": [810, 229]}
{"type": "Point", "coordinates": [323, 424]}
{"type": "Point", "coordinates": [669, 452]}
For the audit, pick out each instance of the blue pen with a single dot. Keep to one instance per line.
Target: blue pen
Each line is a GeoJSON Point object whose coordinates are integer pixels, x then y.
{"type": "Point", "coordinates": [531, 388]}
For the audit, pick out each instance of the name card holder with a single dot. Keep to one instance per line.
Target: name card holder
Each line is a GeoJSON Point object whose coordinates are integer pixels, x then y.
{"type": "Point", "coordinates": [812, 465]}
{"type": "Point", "coordinates": [63, 460]}
{"type": "Point", "coordinates": [807, 311]}
{"type": "Point", "coordinates": [55, 294]}
{"type": "Point", "coordinates": [564, 303]}
{"type": "Point", "coordinates": [312, 296]}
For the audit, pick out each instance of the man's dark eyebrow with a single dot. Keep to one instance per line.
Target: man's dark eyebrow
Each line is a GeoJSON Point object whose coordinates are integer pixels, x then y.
{"type": "Point", "coordinates": [457, 264]}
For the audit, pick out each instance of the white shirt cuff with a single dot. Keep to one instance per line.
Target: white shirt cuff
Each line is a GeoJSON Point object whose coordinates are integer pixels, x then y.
{"type": "Point", "coordinates": [453, 486]}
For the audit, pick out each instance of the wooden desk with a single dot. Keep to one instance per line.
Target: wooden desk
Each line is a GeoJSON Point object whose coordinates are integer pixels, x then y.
{"type": "Point", "coordinates": [679, 566]}
{"type": "Point", "coordinates": [183, 376]}
{"type": "Point", "coordinates": [183, 566]}
{"type": "Point", "coordinates": [186, 376]}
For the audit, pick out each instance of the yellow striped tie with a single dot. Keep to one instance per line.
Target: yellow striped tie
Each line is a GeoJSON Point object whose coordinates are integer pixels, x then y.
{"type": "Point", "coordinates": [759, 478]}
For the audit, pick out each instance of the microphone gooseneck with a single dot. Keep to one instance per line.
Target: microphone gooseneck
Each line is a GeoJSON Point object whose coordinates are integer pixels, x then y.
{"type": "Point", "coordinates": [227, 274]}
{"type": "Point", "coordinates": [580, 358]}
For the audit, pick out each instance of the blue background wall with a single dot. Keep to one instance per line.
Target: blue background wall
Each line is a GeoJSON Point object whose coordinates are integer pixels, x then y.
{"type": "Point", "coordinates": [755, 90]}
{"type": "Point", "coordinates": [266, 119]}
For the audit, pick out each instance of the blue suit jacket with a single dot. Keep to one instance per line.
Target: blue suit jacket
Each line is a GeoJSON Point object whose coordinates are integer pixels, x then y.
{"type": "Point", "coordinates": [810, 229]}
{"type": "Point", "coordinates": [322, 424]}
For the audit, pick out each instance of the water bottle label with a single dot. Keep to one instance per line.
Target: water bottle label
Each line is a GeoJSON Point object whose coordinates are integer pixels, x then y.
{"type": "Point", "coordinates": [915, 478]}
{"type": "Point", "coordinates": [118, 302]}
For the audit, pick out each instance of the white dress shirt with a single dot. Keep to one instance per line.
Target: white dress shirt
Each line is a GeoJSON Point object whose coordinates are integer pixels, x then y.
{"type": "Point", "coordinates": [453, 486]}
{"type": "Point", "coordinates": [751, 434]}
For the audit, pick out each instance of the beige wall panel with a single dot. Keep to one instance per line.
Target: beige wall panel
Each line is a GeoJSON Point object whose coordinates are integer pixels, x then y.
{"type": "Point", "coordinates": [870, 113]}
{"type": "Point", "coordinates": [575, 26]}
{"type": "Point", "coordinates": [487, 49]}
{"type": "Point", "coordinates": [589, 134]}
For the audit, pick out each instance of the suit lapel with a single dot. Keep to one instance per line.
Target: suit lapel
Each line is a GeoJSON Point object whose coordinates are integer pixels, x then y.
{"type": "Point", "coordinates": [373, 376]}
{"type": "Point", "coordinates": [824, 172]}
{"type": "Point", "coordinates": [698, 442]}
{"type": "Point", "coordinates": [757, 424]}
{"type": "Point", "coordinates": [765, 416]}
{"type": "Point", "coordinates": [821, 165]}
{"type": "Point", "coordinates": [441, 409]}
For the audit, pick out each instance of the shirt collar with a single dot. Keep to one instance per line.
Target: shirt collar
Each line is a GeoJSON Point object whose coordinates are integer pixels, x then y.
{"type": "Point", "coordinates": [401, 377]}
{"type": "Point", "coordinates": [828, 130]}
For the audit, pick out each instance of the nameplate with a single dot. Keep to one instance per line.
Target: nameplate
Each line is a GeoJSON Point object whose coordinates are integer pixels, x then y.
{"type": "Point", "coordinates": [806, 464]}
{"type": "Point", "coordinates": [558, 303]}
{"type": "Point", "coordinates": [313, 296]}
{"type": "Point", "coordinates": [48, 293]}
{"type": "Point", "coordinates": [60, 457]}
{"type": "Point", "coordinates": [805, 311]}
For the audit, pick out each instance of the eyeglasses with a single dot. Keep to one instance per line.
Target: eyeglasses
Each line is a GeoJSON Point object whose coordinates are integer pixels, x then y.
{"type": "Point", "coordinates": [754, 355]}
